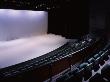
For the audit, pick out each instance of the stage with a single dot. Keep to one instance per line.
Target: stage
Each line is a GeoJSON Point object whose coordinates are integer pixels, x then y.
{"type": "Point", "coordinates": [24, 49]}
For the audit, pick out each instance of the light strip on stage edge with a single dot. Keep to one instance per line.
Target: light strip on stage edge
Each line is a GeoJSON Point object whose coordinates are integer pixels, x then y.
{"type": "Point", "coordinates": [18, 12]}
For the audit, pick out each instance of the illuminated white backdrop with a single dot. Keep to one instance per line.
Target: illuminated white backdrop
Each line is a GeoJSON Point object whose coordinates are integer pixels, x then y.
{"type": "Point", "coordinates": [22, 23]}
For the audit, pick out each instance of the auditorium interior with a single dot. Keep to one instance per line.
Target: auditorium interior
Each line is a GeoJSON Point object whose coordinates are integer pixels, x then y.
{"type": "Point", "coordinates": [54, 41]}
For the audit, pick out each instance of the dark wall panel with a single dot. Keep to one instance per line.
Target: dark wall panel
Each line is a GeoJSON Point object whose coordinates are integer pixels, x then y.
{"type": "Point", "coordinates": [71, 20]}
{"type": "Point", "coordinates": [100, 17]}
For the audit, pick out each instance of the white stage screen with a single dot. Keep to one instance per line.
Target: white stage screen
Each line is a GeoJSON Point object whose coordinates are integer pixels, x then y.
{"type": "Point", "coordinates": [16, 24]}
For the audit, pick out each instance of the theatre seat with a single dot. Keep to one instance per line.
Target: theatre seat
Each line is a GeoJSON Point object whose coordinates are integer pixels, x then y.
{"type": "Point", "coordinates": [73, 77]}
{"type": "Point", "coordinates": [106, 71]}
{"type": "Point", "coordinates": [87, 74]}
{"type": "Point", "coordinates": [97, 78]}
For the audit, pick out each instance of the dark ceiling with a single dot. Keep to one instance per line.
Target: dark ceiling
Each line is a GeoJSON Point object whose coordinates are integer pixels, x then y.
{"type": "Point", "coordinates": [33, 4]}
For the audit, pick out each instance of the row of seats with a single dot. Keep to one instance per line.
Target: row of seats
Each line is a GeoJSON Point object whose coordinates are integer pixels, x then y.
{"type": "Point", "coordinates": [86, 41]}
{"type": "Point", "coordinates": [84, 71]}
{"type": "Point", "coordinates": [104, 76]}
